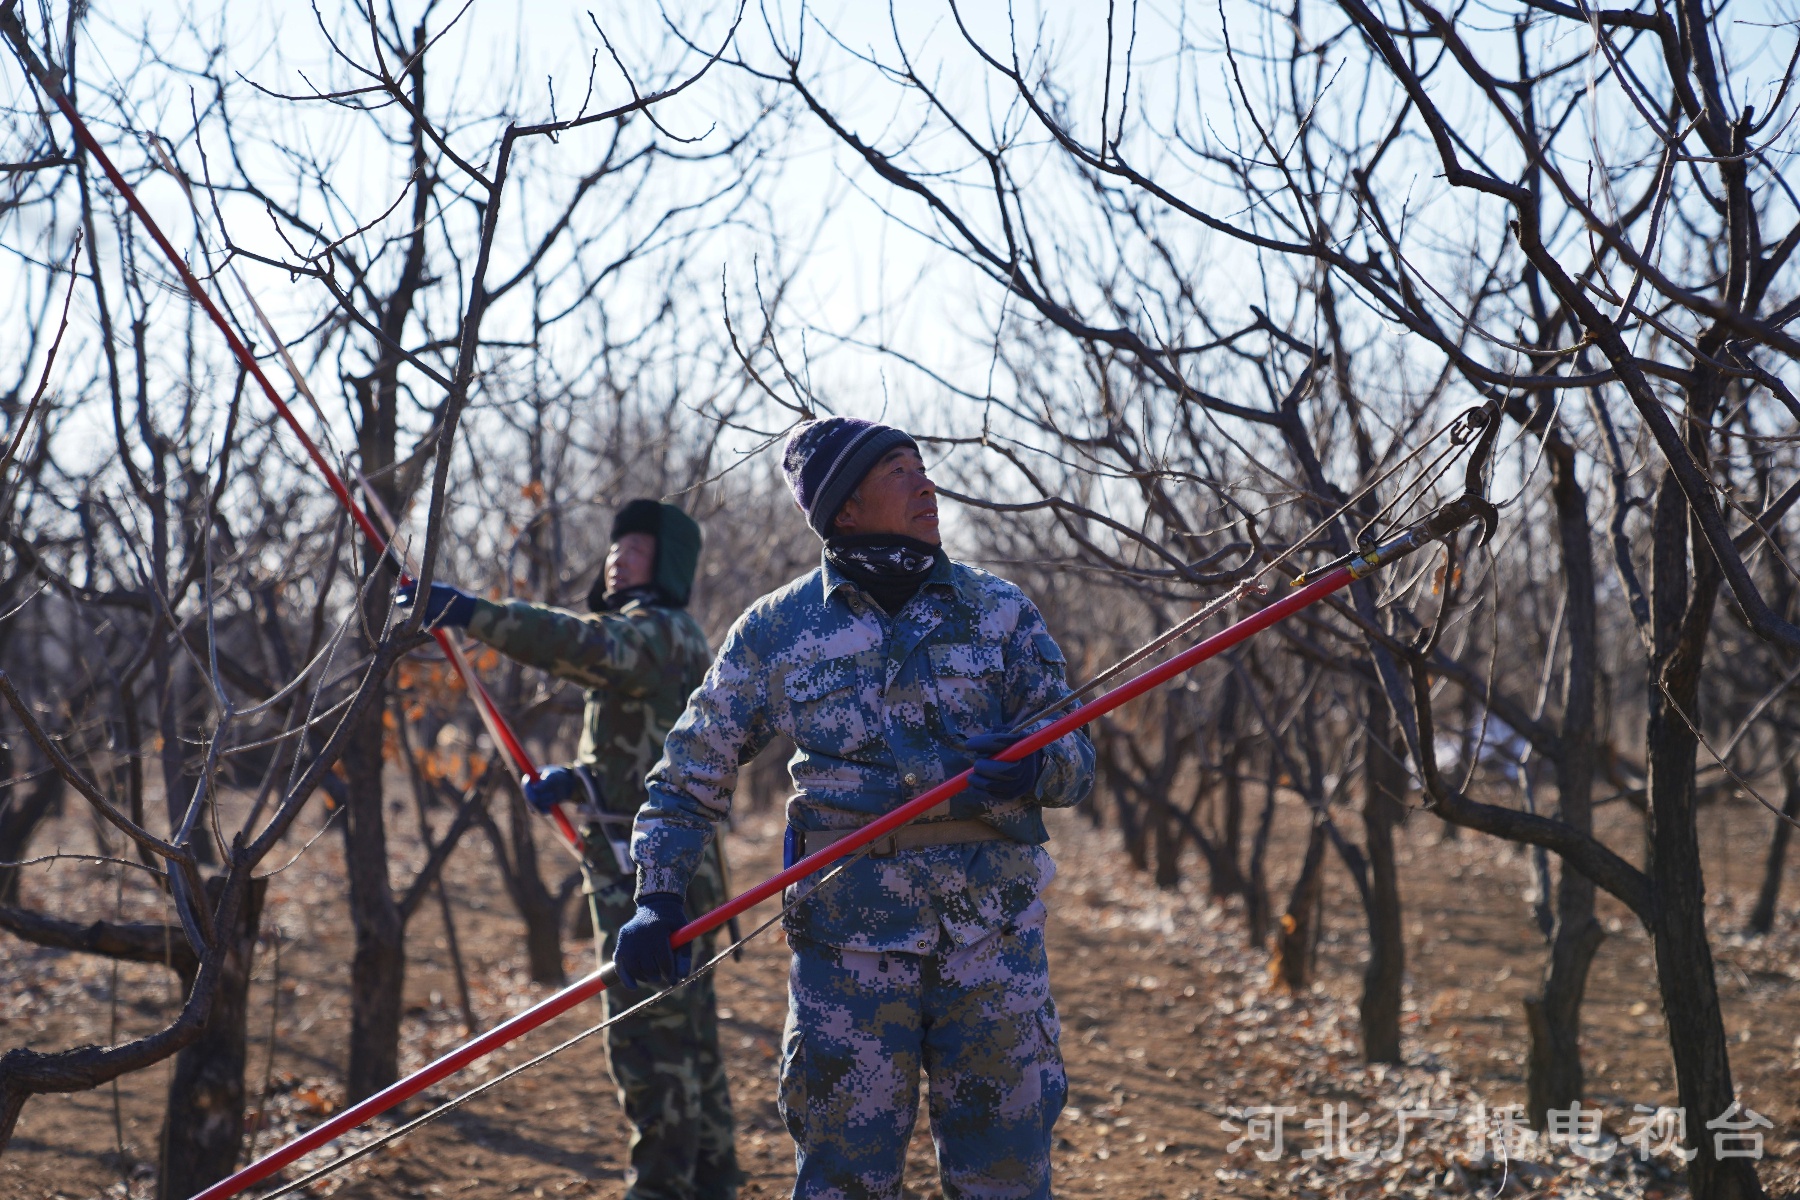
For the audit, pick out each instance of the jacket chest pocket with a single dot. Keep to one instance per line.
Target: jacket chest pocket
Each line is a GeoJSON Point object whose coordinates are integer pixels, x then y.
{"type": "Point", "coordinates": [825, 708]}
{"type": "Point", "coordinates": [969, 685]}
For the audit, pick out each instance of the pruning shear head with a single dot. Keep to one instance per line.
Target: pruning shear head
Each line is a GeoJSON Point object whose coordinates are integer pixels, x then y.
{"type": "Point", "coordinates": [1481, 424]}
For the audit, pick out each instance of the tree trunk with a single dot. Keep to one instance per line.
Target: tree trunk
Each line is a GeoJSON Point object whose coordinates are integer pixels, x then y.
{"type": "Point", "coordinates": [1554, 1076]}
{"type": "Point", "coordinates": [1256, 882]}
{"type": "Point", "coordinates": [1167, 847]}
{"type": "Point", "coordinates": [1762, 917]}
{"type": "Point", "coordinates": [538, 907]}
{"type": "Point", "coordinates": [1231, 824]}
{"type": "Point", "coordinates": [1553, 1069]}
{"type": "Point", "coordinates": [1165, 835]}
{"type": "Point", "coordinates": [378, 963]}
{"type": "Point", "coordinates": [203, 1126]}
{"type": "Point", "coordinates": [1384, 790]}
{"type": "Point", "coordinates": [21, 812]}
{"type": "Point", "coordinates": [541, 909]}
{"type": "Point", "coordinates": [1684, 964]}
{"type": "Point", "coordinates": [543, 943]}
{"type": "Point", "coordinates": [1291, 966]}
{"type": "Point", "coordinates": [1684, 967]}
{"type": "Point", "coordinates": [1131, 829]}
{"type": "Point", "coordinates": [1231, 791]}
{"type": "Point", "coordinates": [1543, 886]}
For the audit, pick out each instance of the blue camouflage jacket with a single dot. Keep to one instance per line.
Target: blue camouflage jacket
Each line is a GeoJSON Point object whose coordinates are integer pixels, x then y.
{"type": "Point", "coordinates": [878, 708]}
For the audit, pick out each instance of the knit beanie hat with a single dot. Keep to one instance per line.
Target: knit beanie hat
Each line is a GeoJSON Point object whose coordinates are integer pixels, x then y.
{"type": "Point", "coordinates": [677, 550]}
{"type": "Point", "coordinates": [825, 460]}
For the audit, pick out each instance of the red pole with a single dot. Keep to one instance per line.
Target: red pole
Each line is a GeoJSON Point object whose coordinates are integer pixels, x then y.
{"type": "Point", "coordinates": [594, 984]}
{"type": "Point", "coordinates": [15, 33]}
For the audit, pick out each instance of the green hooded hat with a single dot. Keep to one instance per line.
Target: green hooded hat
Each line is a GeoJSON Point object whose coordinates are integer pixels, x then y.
{"type": "Point", "coordinates": [677, 550]}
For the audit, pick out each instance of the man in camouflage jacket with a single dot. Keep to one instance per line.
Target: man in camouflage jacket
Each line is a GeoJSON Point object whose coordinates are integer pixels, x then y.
{"type": "Point", "coordinates": [639, 654]}
{"type": "Point", "coordinates": [891, 668]}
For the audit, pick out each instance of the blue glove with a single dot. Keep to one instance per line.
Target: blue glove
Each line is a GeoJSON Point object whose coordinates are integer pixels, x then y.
{"type": "Point", "coordinates": [552, 786]}
{"type": "Point", "coordinates": [643, 954]}
{"type": "Point", "coordinates": [445, 607]}
{"type": "Point", "coordinates": [992, 779]}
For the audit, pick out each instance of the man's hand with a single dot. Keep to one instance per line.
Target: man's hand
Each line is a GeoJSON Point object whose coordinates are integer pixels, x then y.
{"type": "Point", "coordinates": [552, 786]}
{"type": "Point", "coordinates": [643, 954]}
{"type": "Point", "coordinates": [991, 780]}
{"type": "Point", "coordinates": [446, 607]}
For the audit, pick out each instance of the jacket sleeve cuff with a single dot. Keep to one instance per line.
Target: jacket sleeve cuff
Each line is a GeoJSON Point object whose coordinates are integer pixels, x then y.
{"type": "Point", "coordinates": [667, 853]}
{"type": "Point", "coordinates": [1068, 771]}
{"type": "Point", "coordinates": [662, 879]}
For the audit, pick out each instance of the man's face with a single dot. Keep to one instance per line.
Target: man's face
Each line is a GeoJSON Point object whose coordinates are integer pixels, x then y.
{"type": "Point", "coordinates": [630, 562]}
{"type": "Point", "coordinates": [896, 496]}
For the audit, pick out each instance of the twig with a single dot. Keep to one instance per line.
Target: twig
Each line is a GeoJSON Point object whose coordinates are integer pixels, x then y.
{"type": "Point", "coordinates": [37, 396]}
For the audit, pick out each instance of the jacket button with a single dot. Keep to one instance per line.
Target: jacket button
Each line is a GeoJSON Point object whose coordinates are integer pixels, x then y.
{"type": "Point", "coordinates": [911, 778]}
{"type": "Point", "coordinates": [924, 945]}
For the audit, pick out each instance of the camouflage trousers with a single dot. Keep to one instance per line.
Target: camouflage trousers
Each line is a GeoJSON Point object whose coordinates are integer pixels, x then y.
{"type": "Point", "coordinates": [981, 1023]}
{"type": "Point", "coordinates": [665, 1061]}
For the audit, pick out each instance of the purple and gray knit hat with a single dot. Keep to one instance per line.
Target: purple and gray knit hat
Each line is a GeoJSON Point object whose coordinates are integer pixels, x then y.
{"type": "Point", "coordinates": [825, 460]}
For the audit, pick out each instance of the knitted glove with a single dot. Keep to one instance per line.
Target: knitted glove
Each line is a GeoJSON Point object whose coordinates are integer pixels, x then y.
{"type": "Point", "coordinates": [993, 781]}
{"type": "Point", "coordinates": [643, 954]}
{"type": "Point", "coordinates": [552, 786]}
{"type": "Point", "coordinates": [445, 606]}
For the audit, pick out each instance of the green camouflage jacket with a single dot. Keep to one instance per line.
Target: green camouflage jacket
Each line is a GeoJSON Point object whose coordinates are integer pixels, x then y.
{"type": "Point", "coordinates": [638, 665]}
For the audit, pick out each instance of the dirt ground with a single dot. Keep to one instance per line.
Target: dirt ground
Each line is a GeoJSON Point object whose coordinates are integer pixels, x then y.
{"type": "Point", "coordinates": [1171, 1033]}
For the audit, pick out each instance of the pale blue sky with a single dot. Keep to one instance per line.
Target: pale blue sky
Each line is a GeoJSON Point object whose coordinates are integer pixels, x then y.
{"type": "Point", "coordinates": [864, 274]}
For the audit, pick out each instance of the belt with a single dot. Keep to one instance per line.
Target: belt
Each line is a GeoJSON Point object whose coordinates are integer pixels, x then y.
{"type": "Point", "coordinates": [907, 837]}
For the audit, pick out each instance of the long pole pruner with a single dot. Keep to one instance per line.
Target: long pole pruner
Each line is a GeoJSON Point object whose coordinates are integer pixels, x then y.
{"type": "Point", "coordinates": [504, 739]}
